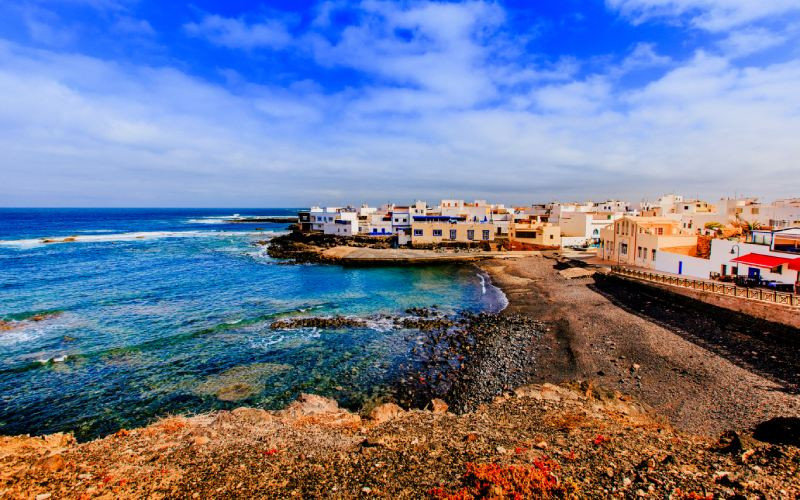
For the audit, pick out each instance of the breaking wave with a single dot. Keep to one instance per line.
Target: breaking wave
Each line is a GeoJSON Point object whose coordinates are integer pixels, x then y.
{"type": "Point", "coordinates": [132, 236]}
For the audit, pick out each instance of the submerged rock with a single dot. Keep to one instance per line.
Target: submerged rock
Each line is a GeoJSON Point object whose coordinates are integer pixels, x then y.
{"type": "Point", "coordinates": [7, 325]}
{"type": "Point", "coordinates": [240, 382]}
{"type": "Point", "coordinates": [319, 322]}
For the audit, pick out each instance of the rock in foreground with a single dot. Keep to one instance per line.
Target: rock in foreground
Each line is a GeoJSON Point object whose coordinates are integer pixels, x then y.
{"type": "Point", "coordinates": [545, 441]}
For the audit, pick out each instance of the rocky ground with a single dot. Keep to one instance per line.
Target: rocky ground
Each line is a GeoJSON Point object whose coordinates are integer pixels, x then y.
{"type": "Point", "coordinates": [537, 441]}
{"type": "Point", "coordinates": [693, 363]}
{"type": "Point", "coordinates": [301, 248]}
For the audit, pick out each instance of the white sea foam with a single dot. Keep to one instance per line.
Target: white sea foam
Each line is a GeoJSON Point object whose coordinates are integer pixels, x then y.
{"type": "Point", "coordinates": [500, 297]}
{"type": "Point", "coordinates": [381, 324]}
{"type": "Point", "coordinates": [209, 220]}
{"type": "Point", "coordinates": [133, 236]}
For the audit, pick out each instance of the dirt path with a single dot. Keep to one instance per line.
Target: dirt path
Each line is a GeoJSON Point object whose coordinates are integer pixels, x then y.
{"type": "Point", "coordinates": [697, 389]}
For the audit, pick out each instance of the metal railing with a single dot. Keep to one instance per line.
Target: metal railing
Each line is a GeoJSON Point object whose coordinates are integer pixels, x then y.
{"type": "Point", "coordinates": [755, 294]}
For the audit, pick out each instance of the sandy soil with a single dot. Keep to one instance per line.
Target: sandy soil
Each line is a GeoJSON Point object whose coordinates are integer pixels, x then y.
{"type": "Point", "coordinates": [697, 389]}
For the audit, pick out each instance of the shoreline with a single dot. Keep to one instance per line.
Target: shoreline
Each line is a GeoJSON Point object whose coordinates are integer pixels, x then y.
{"type": "Point", "coordinates": [591, 435]}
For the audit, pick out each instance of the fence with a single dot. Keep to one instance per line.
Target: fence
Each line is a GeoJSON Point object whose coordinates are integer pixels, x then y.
{"type": "Point", "coordinates": [754, 294]}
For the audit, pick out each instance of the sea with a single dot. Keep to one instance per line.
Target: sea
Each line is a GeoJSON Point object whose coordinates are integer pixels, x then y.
{"type": "Point", "coordinates": [113, 318]}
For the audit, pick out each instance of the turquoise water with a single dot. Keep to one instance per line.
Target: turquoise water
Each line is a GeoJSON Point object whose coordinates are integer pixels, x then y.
{"type": "Point", "coordinates": [116, 329]}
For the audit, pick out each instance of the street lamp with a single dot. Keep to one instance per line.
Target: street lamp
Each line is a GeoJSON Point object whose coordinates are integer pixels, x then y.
{"type": "Point", "coordinates": [738, 251]}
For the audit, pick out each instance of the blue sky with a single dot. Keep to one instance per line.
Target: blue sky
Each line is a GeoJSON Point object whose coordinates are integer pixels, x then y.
{"type": "Point", "coordinates": [291, 103]}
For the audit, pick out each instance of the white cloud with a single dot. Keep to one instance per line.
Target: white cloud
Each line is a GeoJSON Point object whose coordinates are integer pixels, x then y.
{"type": "Point", "coordinates": [45, 27]}
{"type": "Point", "coordinates": [751, 40]}
{"type": "Point", "coordinates": [133, 27]}
{"type": "Point", "coordinates": [442, 117]}
{"type": "Point", "coordinates": [712, 15]}
{"type": "Point", "coordinates": [239, 34]}
{"type": "Point", "coordinates": [433, 48]}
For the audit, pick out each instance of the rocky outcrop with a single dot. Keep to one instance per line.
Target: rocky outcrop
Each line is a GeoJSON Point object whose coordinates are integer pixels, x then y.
{"type": "Point", "coordinates": [319, 322]}
{"type": "Point", "coordinates": [308, 247]}
{"type": "Point", "coordinates": [538, 441]}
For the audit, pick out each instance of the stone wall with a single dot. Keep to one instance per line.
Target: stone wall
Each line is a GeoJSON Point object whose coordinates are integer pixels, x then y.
{"type": "Point", "coordinates": [786, 315]}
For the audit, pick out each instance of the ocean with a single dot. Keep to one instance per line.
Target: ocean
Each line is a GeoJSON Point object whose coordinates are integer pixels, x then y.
{"type": "Point", "coordinates": [143, 313]}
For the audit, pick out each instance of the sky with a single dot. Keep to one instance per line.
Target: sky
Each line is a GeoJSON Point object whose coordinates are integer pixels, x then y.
{"type": "Point", "coordinates": [299, 102]}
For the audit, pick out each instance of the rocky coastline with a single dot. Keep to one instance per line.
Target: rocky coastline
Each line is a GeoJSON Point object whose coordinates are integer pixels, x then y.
{"type": "Point", "coordinates": [540, 441]}
{"type": "Point", "coordinates": [302, 248]}
{"type": "Point", "coordinates": [637, 410]}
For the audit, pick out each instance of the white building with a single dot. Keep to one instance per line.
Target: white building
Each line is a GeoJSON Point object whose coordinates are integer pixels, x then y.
{"type": "Point", "coordinates": [320, 216]}
{"type": "Point", "coordinates": [344, 223]}
{"type": "Point", "coordinates": [583, 228]}
{"type": "Point", "coordinates": [731, 257]}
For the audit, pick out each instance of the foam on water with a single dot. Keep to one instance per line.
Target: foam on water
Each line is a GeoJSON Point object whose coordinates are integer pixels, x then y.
{"type": "Point", "coordinates": [143, 324]}
{"type": "Point", "coordinates": [133, 236]}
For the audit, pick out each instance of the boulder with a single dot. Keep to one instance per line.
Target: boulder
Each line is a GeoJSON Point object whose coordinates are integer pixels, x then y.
{"type": "Point", "coordinates": [53, 463]}
{"type": "Point", "coordinates": [439, 406]}
{"type": "Point", "coordinates": [385, 413]}
{"type": "Point", "coordinates": [310, 409]}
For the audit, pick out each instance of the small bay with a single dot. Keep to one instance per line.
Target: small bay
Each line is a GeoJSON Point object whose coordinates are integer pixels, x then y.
{"type": "Point", "coordinates": [114, 317]}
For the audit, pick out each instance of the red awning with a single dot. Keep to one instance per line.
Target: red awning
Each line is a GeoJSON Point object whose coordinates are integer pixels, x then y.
{"type": "Point", "coordinates": [795, 265]}
{"type": "Point", "coordinates": [760, 260]}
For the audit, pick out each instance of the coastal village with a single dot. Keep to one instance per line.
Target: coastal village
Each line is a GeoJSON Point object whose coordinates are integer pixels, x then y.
{"type": "Point", "coordinates": [736, 240]}
{"type": "Point", "coordinates": [645, 351]}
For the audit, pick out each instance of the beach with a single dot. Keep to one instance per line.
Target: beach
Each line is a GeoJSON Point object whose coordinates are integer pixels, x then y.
{"type": "Point", "coordinates": [593, 336]}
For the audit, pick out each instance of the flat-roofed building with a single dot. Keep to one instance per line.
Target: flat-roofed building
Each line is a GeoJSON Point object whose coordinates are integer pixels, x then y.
{"type": "Point", "coordinates": [635, 241]}
{"type": "Point", "coordinates": [533, 234]}
{"type": "Point", "coordinates": [427, 230]}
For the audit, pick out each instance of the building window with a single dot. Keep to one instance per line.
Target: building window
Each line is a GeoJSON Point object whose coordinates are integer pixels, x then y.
{"type": "Point", "coordinates": [623, 248]}
{"type": "Point", "coordinates": [470, 234]}
{"type": "Point", "coordinates": [437, 232]}
{"type": "Point", "coordinates": [485, 234]}
{"type": "Point", "coordinates": [551, 236]}
{"type": "Point", "coordinates": [418, 232]}
{"type": "Point", "coordinates": [453, 234]}
{"type": "Point", "coordinates": [639, 252]}
{"type": "Point", "coordinates": [724, 270]}
{"type": "Point", "coordinates": [654, 254]}
{"type": "Point", "coordinates": [659, 231]}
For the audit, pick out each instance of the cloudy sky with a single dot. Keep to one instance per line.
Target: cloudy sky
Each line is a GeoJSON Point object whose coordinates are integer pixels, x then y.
{"type": "Point", "coordinates": [294, 102]}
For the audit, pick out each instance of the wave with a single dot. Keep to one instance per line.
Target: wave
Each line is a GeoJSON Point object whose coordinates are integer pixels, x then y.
{"type": "Point", "coordinates": [132, 236]}
{"type": "Point", "coordinates": [498, 298]}
{"type": "Point", "coordinates": [210, 220]}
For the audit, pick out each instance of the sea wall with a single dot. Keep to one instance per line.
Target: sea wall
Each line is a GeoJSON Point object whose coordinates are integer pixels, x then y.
{"type": "Point", "coordinates": [777, 313]}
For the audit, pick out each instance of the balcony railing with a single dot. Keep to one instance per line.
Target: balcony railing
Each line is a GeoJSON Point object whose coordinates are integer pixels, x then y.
{"type": "Point", "coordinates": [755, 294]}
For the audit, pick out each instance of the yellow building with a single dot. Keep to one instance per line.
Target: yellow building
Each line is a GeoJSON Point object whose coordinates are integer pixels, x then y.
{"type": "Point", "coordinates": [635, 241]}
{"type": "Point", "coordinates": [443, 229]}
{"type": "Point", "coordinates": [532, 234]}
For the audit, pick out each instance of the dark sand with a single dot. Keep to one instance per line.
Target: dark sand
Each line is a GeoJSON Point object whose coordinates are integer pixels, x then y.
{"type": "Point", "coordinates": [686, 362]}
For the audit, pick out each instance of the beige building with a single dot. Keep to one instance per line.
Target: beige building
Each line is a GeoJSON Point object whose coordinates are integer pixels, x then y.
{"type": "Point", "coordinates": [636, 241]}
{"type": "Point", "coordinates": [434, 229]}
{"type": "Point", "coordinates": [534, 234]}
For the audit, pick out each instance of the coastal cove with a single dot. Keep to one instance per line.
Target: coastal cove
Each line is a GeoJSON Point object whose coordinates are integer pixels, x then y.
{"type": "Point", "coordinates": [113, 318]}
{"type": "Point", "coordinates": [622, 418]}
